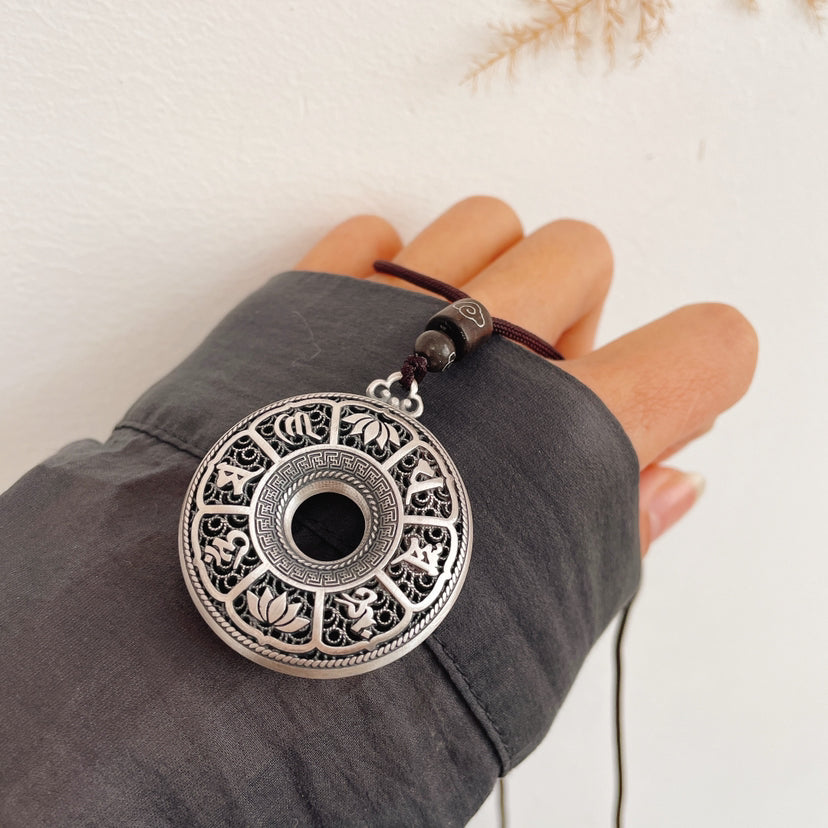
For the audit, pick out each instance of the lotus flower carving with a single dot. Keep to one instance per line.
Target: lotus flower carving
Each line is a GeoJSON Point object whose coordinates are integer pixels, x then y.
{"type": "Point", "coordinates": [275, 609]}
{"type": "Point", "coordinates": [372, 430]}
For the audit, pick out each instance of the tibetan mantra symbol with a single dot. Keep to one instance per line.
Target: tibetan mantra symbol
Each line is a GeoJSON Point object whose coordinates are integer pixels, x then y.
{"type": "Point", "coordinates": [282, 602]}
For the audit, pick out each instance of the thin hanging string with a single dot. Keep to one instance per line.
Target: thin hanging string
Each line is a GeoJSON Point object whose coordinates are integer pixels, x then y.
{"type": "Point", "coordinates": [501, 802]}
{"type": "Point", "coordinates": [619, 742]}
{"type": "Point", "coordinates": [414, 368]}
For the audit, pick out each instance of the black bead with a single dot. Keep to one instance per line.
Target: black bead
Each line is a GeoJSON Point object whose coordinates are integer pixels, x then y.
{"type": "Point", "coordinates": [466, 321]}
{"type": "Point", "coordinates": [437, 348]}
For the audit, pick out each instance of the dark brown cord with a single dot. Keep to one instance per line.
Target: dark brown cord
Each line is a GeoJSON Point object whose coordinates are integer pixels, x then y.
{"type": "Point", "coordinates": [415, 367]}
{"type": "Point", "coordinates": [501, 801]}
{"type": "Point", "coordinates": [445, 290]}
{"type": "Point", "coordinates": [452, 293]}
{"type": "Point", "coordinates": [619, 745]}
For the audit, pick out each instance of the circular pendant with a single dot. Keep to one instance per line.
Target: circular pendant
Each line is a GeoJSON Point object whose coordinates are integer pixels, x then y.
{"type": "Point", "coordinates": [325, 535]}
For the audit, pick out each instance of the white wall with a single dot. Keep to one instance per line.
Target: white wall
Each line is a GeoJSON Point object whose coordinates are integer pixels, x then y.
{"type": "Point", "coordinates": [161, 158]}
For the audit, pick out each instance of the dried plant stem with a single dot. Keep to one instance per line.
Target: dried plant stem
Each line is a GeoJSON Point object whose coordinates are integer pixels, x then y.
{"type": "Point", "coordinates": [511, 41]}
{"type": "Point", "coordinates": [652, 23]}
{"type": "Point", "coordinates": [816, 10]}
{"type": "Point", "coordinates": [613, 23]}
{"type": "Point", "coordinates": [577, 22]}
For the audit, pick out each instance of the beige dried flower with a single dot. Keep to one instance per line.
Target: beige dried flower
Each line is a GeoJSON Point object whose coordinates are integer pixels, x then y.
{"type": "Point", "coordinates": [579, 23]}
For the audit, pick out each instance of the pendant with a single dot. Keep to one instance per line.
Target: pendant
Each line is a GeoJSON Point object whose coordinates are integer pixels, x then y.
{"type": "Point", "coordinates": [316, 609]}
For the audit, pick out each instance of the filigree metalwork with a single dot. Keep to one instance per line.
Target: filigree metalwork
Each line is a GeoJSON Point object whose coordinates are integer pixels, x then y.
{"type": "Point", "coordinates": [257, 588]}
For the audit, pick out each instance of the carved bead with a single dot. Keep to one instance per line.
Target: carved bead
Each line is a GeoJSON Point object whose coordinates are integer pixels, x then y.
{"type": "Point", "coordinates": [466, 321]}
{"type": "Point", "coordinates": [438, 349]}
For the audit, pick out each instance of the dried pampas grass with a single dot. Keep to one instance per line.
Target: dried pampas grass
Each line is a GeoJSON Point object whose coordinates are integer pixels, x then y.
{"type": "Point", "coordinates": [579, 24]}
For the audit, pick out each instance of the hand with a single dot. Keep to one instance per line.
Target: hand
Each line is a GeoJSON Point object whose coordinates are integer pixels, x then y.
{"type": "Point", "coordinates": [666, 382]}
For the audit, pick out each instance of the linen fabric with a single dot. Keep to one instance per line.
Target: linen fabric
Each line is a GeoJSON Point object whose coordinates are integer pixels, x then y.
{"type": "Point", "coordinates": [120, 705]}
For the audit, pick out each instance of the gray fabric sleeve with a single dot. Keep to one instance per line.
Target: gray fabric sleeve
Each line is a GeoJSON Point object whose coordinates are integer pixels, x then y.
{"type": "Point", "coordinates": [121, 707]}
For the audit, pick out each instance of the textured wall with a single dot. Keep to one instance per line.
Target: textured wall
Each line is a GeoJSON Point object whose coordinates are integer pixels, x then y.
{"type": "Point", "coordinates": [161, 158]}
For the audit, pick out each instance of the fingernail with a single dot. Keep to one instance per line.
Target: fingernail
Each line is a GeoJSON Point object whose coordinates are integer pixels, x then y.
{"type": "Point", "coordinates": [672, 497]}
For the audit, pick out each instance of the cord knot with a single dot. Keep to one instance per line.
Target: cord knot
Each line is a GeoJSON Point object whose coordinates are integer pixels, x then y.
{"type": "Point", "coordinates": [413, 369]}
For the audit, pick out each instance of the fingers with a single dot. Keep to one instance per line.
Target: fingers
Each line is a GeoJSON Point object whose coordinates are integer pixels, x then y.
{"type": "Point", "coordinates": [461, 242]}
{"type": "Point", "coordinates": [665, 496]}
{"type": "Point", "coordinates": [554, 283]}
{"type": "Point", "coordinates": [666, 382]}
{"type": "Point", "coordinates": [669, 380]}
{"type": "Point", "coordinates": [352, 247]}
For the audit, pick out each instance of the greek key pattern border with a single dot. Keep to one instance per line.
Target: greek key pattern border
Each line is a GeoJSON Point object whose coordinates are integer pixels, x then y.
{"type": "Point", "coordinates": [396, 646]}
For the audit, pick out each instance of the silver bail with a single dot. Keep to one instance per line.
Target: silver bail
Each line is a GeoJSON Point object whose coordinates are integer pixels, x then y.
{"type": "Point", "coordinates": [380, 389]}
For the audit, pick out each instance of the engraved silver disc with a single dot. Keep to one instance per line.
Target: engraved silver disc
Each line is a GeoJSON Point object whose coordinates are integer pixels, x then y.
{"type": "Point", "coordinates": [279, 604]}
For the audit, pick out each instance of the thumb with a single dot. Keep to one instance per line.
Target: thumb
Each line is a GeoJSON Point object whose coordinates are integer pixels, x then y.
{"type": "Point", "coordinates": [665, 496]}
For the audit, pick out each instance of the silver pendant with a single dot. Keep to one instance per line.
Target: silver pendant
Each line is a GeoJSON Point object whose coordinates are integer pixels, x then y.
{"type": "Point", "coordinates": [256, 582]}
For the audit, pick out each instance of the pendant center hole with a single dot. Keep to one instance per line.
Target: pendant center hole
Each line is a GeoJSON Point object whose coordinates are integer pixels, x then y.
{"type": "Point", "coordinates": [328, 526]}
